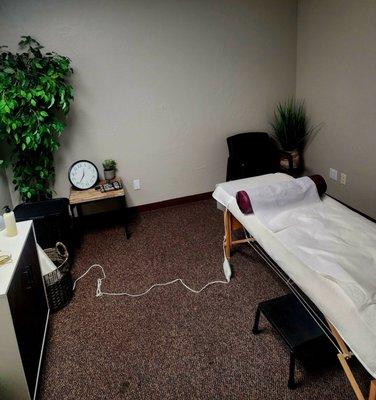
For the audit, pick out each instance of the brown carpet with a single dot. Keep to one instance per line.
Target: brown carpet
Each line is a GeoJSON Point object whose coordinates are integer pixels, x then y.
{"type": "Point", "coordinates": [173, 344]}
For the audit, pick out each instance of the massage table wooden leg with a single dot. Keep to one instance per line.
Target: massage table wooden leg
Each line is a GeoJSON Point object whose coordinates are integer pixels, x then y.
{"type": "Point", "coordinates": [343, 356]}
{"type": "Point", "coordinates": [353, 382]}
{"type": "Point", "coordinates": [372, 390]}
{"type": "Point", "coordinates": [342, 345]}
{"type": "Point", "coordinates": [228, 233]}
{"type": "Point", "coordinates": [231, 224]}
{"type": "Point", "coordinates": [350, 376]}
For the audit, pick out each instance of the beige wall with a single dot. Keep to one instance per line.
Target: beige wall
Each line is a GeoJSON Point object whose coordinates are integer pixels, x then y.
{"type": "Point", "coordinates": [160, 84]}
{"type": "Point", "coordinates": [4, 192]}
{"type": "Point", "coordinates": [5, 199]}
{"type": "Point", "coordinates": [336, 74]}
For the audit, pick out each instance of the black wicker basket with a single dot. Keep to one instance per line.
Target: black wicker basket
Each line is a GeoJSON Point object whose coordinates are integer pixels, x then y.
{"type": "Point", "coordinates": [59, 284]}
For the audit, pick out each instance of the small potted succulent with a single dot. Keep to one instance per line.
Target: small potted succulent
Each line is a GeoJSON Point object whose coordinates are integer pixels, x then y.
{"type": "Point", "coordinates": [109, 167]}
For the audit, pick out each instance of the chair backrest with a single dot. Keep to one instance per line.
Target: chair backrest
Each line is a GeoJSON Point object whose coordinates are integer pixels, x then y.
{"type": "Point", "coordinates": [251, 154]}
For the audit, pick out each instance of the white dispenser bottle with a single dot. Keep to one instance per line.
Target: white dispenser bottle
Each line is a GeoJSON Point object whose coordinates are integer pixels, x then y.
{"type": "Point", "coordinates": [10, 222]}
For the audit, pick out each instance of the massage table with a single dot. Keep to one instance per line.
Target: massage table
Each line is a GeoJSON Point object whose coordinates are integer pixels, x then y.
{"type": "Point", "coordinates": [349, 331]}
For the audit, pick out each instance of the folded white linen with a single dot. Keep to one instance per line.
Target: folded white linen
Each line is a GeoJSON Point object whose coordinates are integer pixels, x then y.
{"type": "Point", "coordinates": [271, 202]}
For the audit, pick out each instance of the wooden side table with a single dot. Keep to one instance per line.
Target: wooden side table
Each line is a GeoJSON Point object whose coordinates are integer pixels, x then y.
{"type": "Point", "coordinates": [78, 198]}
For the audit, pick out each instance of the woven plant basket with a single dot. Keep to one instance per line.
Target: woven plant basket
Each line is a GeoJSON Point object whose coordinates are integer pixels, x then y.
{"type": "Point", "coordinates": [59, 284]}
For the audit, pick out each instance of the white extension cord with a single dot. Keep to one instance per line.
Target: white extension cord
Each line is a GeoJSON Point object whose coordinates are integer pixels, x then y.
{"type": "Point", "coordinates": [226, 270]}
{"type": "Point", "coordinates": [99, 292]}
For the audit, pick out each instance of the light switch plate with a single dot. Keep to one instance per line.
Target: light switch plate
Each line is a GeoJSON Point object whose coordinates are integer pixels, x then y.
{"type": "Point", "coordinates": [343, 178]}
{"type": "Point", "coordinates": [333, 174]}
{"type": "Point", "coordinates": [136, 184]}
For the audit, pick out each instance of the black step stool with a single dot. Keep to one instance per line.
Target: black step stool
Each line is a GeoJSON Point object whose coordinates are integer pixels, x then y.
{"type": "Point", "coordinates": [297, 328]}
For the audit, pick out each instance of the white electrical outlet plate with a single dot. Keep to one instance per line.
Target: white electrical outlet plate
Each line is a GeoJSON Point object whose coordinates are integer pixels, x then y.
{"type": "Point", "coordinates": [333, 174]}
{"type": "Point", "coordinates": [136, 184]}
{"type": "Point", "coordinates": [343, 178]}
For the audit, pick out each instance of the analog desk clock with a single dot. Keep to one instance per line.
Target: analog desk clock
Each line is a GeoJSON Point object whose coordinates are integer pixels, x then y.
{"type": "Point", "coordinates": [83, 175]}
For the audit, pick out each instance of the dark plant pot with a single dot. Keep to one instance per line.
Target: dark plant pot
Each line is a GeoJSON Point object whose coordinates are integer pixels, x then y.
{"type": "Point", "coordinates": [297, 160]}
{"type": "Point", "coordinates": [109, 174]}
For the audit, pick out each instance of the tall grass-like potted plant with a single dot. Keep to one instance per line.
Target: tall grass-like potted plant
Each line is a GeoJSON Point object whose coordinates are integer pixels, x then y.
{"type": "Point", "coordinates": [35, 96]}
{"type": "Point", "coordinates": [292, 130]}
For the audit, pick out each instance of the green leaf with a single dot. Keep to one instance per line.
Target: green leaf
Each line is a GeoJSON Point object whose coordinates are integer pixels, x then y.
{"type": "Point", "coordinates": [33, 102]}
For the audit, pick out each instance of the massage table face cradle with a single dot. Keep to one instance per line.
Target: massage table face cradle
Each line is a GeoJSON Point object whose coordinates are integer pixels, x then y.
{"type": "Point", "coordinates": [231, 224]}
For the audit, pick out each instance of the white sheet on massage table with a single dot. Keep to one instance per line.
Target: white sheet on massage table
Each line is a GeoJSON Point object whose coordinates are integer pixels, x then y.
{"type": "Point", "coordinates": [327, 295]}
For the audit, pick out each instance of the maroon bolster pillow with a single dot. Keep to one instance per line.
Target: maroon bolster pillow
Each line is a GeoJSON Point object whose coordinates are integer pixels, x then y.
{"type": "Point", "coordinates": [320, 183]}
{"type": "Point", "coordinates": [245, 205]}
{"type": "Point", "coordinates": [244, 202]}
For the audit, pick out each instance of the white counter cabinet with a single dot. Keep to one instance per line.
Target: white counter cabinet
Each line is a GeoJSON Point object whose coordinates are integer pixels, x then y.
{"type": "Point", "coordinates": [24, 315]}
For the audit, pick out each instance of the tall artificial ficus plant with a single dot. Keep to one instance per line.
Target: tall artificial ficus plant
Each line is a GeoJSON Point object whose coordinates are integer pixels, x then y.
{"type": "Point", "coordinates": [35, 96]}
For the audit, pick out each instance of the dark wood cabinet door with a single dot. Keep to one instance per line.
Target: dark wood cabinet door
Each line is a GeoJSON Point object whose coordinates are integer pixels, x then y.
{"type": "Point", "coordinates": [29, 309]}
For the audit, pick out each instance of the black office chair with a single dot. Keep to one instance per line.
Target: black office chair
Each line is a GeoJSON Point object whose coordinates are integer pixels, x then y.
{"type": "Point", "coordinates": [252, 154]}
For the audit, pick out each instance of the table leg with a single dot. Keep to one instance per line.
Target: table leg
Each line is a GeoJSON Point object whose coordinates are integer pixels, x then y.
{"type": "Point", "coordinates": [255, 329]}
{"type": "Point", "coordinates": [125, 217]}
{"type": "Point", "coordinates": [72, 207]}
{"type": "Point", "coordinates": [291, 383]}
{"type": "Point", "coordinates": [80, 228]}
{"type": "Point", "coordinates": [372, 390]}
{"type": "Point", "coordinates": [76, 225]}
